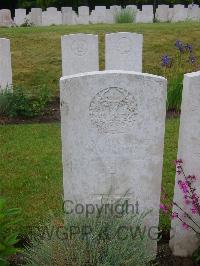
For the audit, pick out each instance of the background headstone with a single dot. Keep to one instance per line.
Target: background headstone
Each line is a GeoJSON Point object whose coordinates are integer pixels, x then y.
{"type": "Point", "coordinates": [124, 51]}
{"type": "Point", "coordinates": [180, 13]}
{"type": "Point", "coordinates": [83, 15]}
{"type": "Point", "coordinates": [193, 12]}
{"type": "Point", "coordinates": [99, 14]}
{"type": "Point", "coordinates": [20, 16]}
{"type": "Point", "coordinates": [36, 16]}
{"type": "Point", "coordinates": [79, 53]}
{"type": "Point", "coordinates": [5, 18]}
{"type": "Point", "coordinates": [5, 63]}
{"type": "Point", "coordinates": [109, 17]}
{"type": "Point", "coordinates": [51, 17]}
{"type": "Point", "coordinates": [146, 15]}
{"type": "Point", "coordinates": [184, 242]}
{"type": "Point", "coordinates": [67, 16]}
{"type": "Point", "coordinates": [133, 9]}
{"type": "Point", "coordinates": [162, 13]}
{"type": "Point", "coordinates": [112, 125]}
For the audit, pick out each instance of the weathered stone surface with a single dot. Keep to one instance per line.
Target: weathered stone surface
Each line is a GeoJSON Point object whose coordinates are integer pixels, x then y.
{"type": "Point", "coordinates": [146, 15]}
{"type": "Point", "coordinates": [79, 53]}
{"type": "Point", "coordinates": [162, 13]}
{"type": "Point", "coordinates": [193, 12]}
{"type": "Point", "coordinates": [124, 51]}
{"type": "Point", "coordinates": [67, 16]}
{"type": "Point", "coordinates": [109, 17]}
{"type": "Point", "coordinates": [36, 16]}
{"type": "Point", "coordinates": [180, 13]}
{"type": "Point", "coordinates": [184, 242]}
{"type": "Point", "coordinates": [98, 15]}
{"type": "Point", "coordinates": [51, 17]}
{"type": "Point", "coordinates": [5, 18]}
{"type": "Point", "coordinates": [112, 138]}
{"type": "Point", "coordinates": [170, 14]}
{"type": "Point", "coordinates": [5, 63]}
{"type": "Point", "coordinates": [20, 16]}
{"type": "Point", "coordinates": [83, 15]}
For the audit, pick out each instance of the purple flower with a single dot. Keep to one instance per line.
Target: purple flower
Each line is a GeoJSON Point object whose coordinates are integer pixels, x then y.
{"type": "Point", "coordinates": [163, 208]}
{"type": "Point", "coordinates": [183, 186]}
{"type": "Point", "coordinates": [188, 47]}
{"type": "Point", "coordinates": [174, 215]}
{"type": "Point", "coordinates": [194, 210]}
{"type": "Point", "coordinates": [187, 201]}
{"type": "Point", "coordinates": [179, 161]}
{"type": "Point", "coordinates": [165, 61]}
{"type": "Point", "coordinates": [180, 46]}
{"type": "Point", "coordinates": [185, 226]}
{"type": "Point", "coordinates": [192, 59]}
{"type": "Point", "coordinates": [195, 198]}
{"type": "Point", "coordinates": [191, 177]}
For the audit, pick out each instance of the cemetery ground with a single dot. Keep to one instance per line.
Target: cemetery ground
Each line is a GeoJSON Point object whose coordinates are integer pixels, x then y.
{"type": "Point", "coordinates": [31, 170]}
{"type": "Point", "coordinates": [36, 51]}
{"type": "Point", "coordinates": [30, 158]}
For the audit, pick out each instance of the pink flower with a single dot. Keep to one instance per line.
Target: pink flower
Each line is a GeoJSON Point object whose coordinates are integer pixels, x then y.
{"type": "Point", "coordinates": [163, 208]}
{"type": "Point", "coordinates": [187, 201]}
{"type": "Point", "coordinates": [195, 198]}
{"type": "Point", "coordinates": [183, 186]}
{"type": "Point", "coordinates": [191, 177]}
{"type": "Point", "coordinates": [179, 161]}
{"type": "Point", "coordinates": [185, 226]}
{"type": "Point", "coordinates": [194, 210]}
{"type": "Point", "coordinates": [174, 215]}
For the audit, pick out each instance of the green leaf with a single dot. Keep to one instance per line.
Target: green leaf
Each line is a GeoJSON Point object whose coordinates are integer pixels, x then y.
{"type": "Point", "coordinates": [11, 240]}
{"type": "Point", "coordinates": [2, 204]}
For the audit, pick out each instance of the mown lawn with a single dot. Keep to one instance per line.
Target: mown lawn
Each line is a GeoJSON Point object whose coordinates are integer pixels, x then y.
{"type": "Point", "coordinates": [30, 157]}
{"type": "Point", "coordinates": [36, 52]}
{"type": "Point", "coordinates": [31, 169]}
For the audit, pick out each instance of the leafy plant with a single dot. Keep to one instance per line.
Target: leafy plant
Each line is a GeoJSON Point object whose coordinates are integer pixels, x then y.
{"type": "Point", "coordinates": [19, 103]}
{"type": "Point", "coordinates": [7, 238]}
{"type": "Point", "coordinates": [93, 240]}
{"type": "Point", "coordinates": [174, 96]}
{"type": "Point", "coordinates": [125, 16]}
{"type": "Point", "coordinates": [191, 201]}
{"type": "Point", "coordinates": [27, 23]}
{"type": "Point", "coordinates": [173, 68]}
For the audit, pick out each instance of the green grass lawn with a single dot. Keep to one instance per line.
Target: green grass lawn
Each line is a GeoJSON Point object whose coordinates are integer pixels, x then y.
{"type": "Point", "coordinates": [30, 158]}
{"type": "Point", "coordinates": [31, 169]}
{"type": "Point", "coordinates": [36, 52]}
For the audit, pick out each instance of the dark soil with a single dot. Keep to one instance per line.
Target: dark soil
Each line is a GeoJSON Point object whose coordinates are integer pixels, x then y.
{"type": "Point", "coordinates": [52, 114]}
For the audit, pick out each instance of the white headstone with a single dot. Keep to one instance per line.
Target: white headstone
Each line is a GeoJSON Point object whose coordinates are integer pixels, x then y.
{"type": "Point", "coordinates": [67, 16]}
{"type": "Point", "coordinates": [36, 16]}
{"type": "Point", "coordinates": [180, 13]}
{"type": "Point", "coordinates": [162, 13]}
{"type": "Point", "coordinates": [83, 15]}
{"type": "Point", "coordinates": [99, 14]}
{"type": "Point", "coordinates": [5, 63]}
{"type": "Point", "coordinates": [5, 18]}
{"type": "Point", "coordinates": [109, 17]}
{"type": "Point", "coordinates": [20, 16]}
{"type": "Point", "coordinates": [124, 51]}
{"type": "Point", "coordinates": [79, 53]}
{"type": "Point", "coordinates": [51, 17]}
{"type": "Point", "coordinates": [112, 125]}
{"type": "Point", "coordinates": [115, 8]}
{"type": "Point", "coordinates": [133, 9]}
{"type": "Point", "coordinates": [170, 14]}
{"type": "Point", "coordinates": [193, 12]}
{"type": "Point", "coordinates": [146, 15]}
{"type": "Point", "coordinates": [184, 242]}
